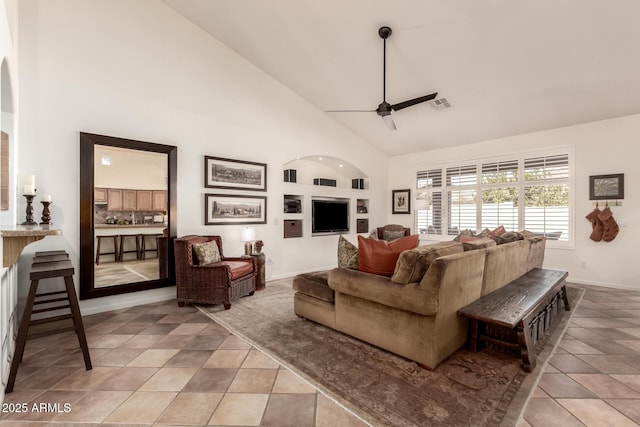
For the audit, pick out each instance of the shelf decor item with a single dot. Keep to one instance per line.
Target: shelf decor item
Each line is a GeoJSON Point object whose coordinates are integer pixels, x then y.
{"type": "Point", "coordinates": [29, 193]}
{"type": "Point", "coordinates": [234, 174]}
{"type": "Point", "coordinates": [401, 201]}
{"type": "Point", "coordinates": [29, 210]}
{"type": "Point", "coordinates": [227, 209]}
{"type": "Point", "coordinates": [606, 187]}
{"type": "Point", "coordinates": [46, 214]}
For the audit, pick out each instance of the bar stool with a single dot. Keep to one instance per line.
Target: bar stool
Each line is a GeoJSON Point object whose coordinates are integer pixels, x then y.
{"type": "Point", "coordinates": [115, 247]}
{"type": "Point", "coordinates": [143, 246]}
{"type": "Point", "coordinates": [123, 238]}
{"type": "Point", "coordinates": [48, 265]}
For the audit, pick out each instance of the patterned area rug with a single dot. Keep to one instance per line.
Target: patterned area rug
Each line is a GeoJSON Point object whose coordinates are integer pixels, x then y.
{"type": "Point", "coordinates": [468, 389]}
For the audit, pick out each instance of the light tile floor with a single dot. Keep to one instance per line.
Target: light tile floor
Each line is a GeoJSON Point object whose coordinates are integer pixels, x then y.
{"type": "Point", "coordinates": [161, 365]}
{"type": "Point", "coordinates": [593, 378]}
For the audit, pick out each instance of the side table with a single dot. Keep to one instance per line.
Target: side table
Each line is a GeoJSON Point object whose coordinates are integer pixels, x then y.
{"type": "Point", "coordinates": [261, 276]}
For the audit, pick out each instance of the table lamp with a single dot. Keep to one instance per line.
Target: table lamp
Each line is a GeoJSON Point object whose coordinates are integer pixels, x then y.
{"type": "Point", "coordinates": [248, 235]}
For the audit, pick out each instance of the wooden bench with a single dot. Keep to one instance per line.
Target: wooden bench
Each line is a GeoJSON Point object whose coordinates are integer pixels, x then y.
{"type": "Point", "coordinates": [516, 316]}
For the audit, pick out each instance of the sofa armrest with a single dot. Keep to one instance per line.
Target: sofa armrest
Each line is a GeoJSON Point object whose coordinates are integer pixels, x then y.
{"type": "Point", "coordinates": [410, 297]}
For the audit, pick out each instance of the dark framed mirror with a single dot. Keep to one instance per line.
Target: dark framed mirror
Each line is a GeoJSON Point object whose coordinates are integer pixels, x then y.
{"type": "Point", "coordinates": [127, 215]}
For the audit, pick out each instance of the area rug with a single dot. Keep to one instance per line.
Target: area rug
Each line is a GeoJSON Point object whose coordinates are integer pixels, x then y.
{"type": "Point", "coordinates": [468, 389]}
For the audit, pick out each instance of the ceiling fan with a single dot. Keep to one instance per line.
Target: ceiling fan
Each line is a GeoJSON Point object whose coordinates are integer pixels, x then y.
{"type": "Point", "coordinates": [384, 109]}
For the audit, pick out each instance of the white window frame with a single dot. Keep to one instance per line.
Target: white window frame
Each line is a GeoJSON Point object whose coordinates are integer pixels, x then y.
{"type": "Point", "coordinates": [520, 184]}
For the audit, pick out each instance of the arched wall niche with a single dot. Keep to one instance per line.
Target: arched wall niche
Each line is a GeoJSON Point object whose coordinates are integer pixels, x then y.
{"type": "Point", "coordinates": [308, 168]}
{"type": "Point", "coordinates": [7, 145]}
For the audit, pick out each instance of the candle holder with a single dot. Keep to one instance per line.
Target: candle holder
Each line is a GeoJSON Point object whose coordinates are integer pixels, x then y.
{"type": "Point", "coordinates": [46, 215]}
{"type": "Point", "coordinates": [29, 211]}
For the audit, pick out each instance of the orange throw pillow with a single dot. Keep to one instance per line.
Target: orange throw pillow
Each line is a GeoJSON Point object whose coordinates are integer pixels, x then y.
{"type": "Point", "coordinates": [380, 256]}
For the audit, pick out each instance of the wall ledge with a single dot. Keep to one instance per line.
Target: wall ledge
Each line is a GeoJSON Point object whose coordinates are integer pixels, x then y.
{"type": "Point", "coordinates": [15, 238]}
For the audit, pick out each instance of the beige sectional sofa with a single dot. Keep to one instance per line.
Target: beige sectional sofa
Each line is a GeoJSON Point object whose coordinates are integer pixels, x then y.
{"type": "Point", "coordinates": [417, 320]}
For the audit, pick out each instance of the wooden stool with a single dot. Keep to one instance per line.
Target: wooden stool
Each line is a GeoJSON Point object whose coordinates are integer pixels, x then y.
{"type": "Point", "coordinates": [143, 246]}
{"type": "Point", "coordinates": [122, 242]}
{"type": "Point", "coordinates": [115, 247]}
{"type": "Point", "coordinates": [46, 266]}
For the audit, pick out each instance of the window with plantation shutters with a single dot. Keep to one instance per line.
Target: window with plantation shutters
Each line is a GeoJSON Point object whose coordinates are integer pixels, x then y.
{"type": "Point", "coordinates": [499, 195]}
{"type": "Point", "coordinates": [461, 198]}
{"type": "Point", "coordinates": [429, 202]}
{"type": "Point", "coordinates": [523, 192]}
{"type": "Point", "coordinates": [546, 196]}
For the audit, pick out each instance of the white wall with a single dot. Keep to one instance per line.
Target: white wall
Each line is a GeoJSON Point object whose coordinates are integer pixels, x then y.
{"type": "Point", "coordinates": [603, 147]}
{"type": "Point", "coordinates": [8, 91]}
{"type": "Point", "coordinates": [138, 70]}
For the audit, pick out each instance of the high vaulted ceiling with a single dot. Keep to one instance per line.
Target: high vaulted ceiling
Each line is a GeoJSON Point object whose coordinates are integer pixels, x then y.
{"type": "Point", "coordinates": [506, 67]}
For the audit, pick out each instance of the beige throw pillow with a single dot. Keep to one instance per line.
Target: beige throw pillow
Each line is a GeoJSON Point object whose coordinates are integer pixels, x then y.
{"type": "Point", "coordinates": [207, 253]}
{"type": "Point", "coordinates": [414, 263]}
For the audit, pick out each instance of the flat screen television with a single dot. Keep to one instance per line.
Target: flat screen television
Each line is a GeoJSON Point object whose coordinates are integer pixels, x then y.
{"type": "Point", "coordinates": [329, 216]}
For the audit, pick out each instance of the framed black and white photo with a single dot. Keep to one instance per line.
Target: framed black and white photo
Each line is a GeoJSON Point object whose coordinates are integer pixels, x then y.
{"type": "Point", "coordinates": [234, 174]}
{"type": "Point", "coordinates": [401, 201]}
{"type": "Point", "coordinates": [606, 187]}
{"type": "Point", "coordinates": [225, 209]}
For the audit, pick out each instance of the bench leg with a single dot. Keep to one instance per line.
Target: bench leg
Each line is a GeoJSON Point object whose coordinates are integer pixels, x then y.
{"type": "Point", "coordinates": [473, 335]}
{"type": "Point", "coordinates": [565, 298]}
{"type": "Point", "coordinates": [527, 351]}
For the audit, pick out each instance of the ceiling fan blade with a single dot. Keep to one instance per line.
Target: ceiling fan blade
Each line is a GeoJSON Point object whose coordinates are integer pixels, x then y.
{"type": "Point", "coordinates": [411, 102]}
{"type": "Point", "coordinates": [350, 111]}
{"type": "Point", "coordinates": [389, 122]}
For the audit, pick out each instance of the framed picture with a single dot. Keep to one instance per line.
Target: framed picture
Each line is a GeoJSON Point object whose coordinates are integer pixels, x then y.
{"type": "Point", "coordinates": [401, 200]}
{"type": "Point", "coordinates": [234, 174]}
{"type": "Point", "coordinates": [606, 187]}
{"type": "Point", "coordinates": [225, 209]}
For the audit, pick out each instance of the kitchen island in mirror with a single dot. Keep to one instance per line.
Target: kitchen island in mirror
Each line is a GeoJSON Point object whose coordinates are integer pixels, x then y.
{"type": "Point", "coordinates": [137, 253]}
{"type": "Point", "coordinates": [127, 215]}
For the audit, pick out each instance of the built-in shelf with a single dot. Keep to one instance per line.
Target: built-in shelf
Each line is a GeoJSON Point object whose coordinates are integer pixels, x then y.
{"type": "Point", "coordinates": [362, 206]}
{"type": "Point", "coordinates": [292, 204]}
{"type": "Point", "coordinates": [15, 238]}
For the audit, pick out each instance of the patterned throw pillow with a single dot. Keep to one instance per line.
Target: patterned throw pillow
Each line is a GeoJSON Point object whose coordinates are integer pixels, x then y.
{"type": "Point", "coordinates": [466, 232]}
{"type": "Point", "coordinates": [390, 236]}
{"type": "Point", "coordinates": [347, 254]}
{"type": "Point", "coordinates": [207, 253]}
{"type": "Point", "coordinates": [508, 237]}
{"type": "Point", "coordinates": [373, 235]}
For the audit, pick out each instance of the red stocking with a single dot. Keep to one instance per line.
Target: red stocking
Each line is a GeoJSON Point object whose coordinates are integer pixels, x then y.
{"type": "Point", "coordinates": [610, 225]}
{"type": "Point", "coordinates": [596, 224]}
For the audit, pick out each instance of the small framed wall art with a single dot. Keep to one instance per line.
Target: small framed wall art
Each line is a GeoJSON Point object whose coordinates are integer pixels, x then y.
{"type": "Point", "coordinates": [234, 174]}
{"type": "Point", "coordinates": [606, 187]}
{"type": "Point", "coordinates": [401, 201]}
{"type": "Point", "coordinates": [227, 209]}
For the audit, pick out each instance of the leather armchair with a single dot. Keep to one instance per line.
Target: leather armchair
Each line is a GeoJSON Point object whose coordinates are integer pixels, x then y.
{"type": "Point", "coordinates": [393, 229]}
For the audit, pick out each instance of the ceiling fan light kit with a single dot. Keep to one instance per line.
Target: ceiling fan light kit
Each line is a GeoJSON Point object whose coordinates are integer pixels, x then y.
{"type": "Point", "coordinates": [384, 108]}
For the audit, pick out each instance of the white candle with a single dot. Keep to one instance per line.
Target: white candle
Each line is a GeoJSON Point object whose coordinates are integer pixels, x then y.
{"type": "Point", "coordinates": [29, 190]}
{"type": "Point", "coordinates": [30, 180]}
{"type": "Point", "coordinates": [45, 198]}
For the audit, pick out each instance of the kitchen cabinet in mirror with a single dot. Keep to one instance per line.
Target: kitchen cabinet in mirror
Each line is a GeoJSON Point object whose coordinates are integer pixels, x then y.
{"type": "Point", "coordinates": [126, 240]}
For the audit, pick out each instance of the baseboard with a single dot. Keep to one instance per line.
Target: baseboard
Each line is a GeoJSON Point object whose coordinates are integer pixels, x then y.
{"type": "Point", "coordinates": [293, 274]}
{"type": "Point", "coordinates": [98, 305]}
{"type": "Point", "coordinates": [602, 284]}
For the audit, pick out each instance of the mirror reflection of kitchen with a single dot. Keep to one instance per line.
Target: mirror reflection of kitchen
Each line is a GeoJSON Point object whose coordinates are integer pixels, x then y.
{"type": "Point", "coordinates": [130, 216]}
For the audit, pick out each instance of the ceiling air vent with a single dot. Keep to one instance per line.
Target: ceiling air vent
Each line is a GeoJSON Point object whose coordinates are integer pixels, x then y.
{"type": "Point", "coordinates": [439, 104]}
